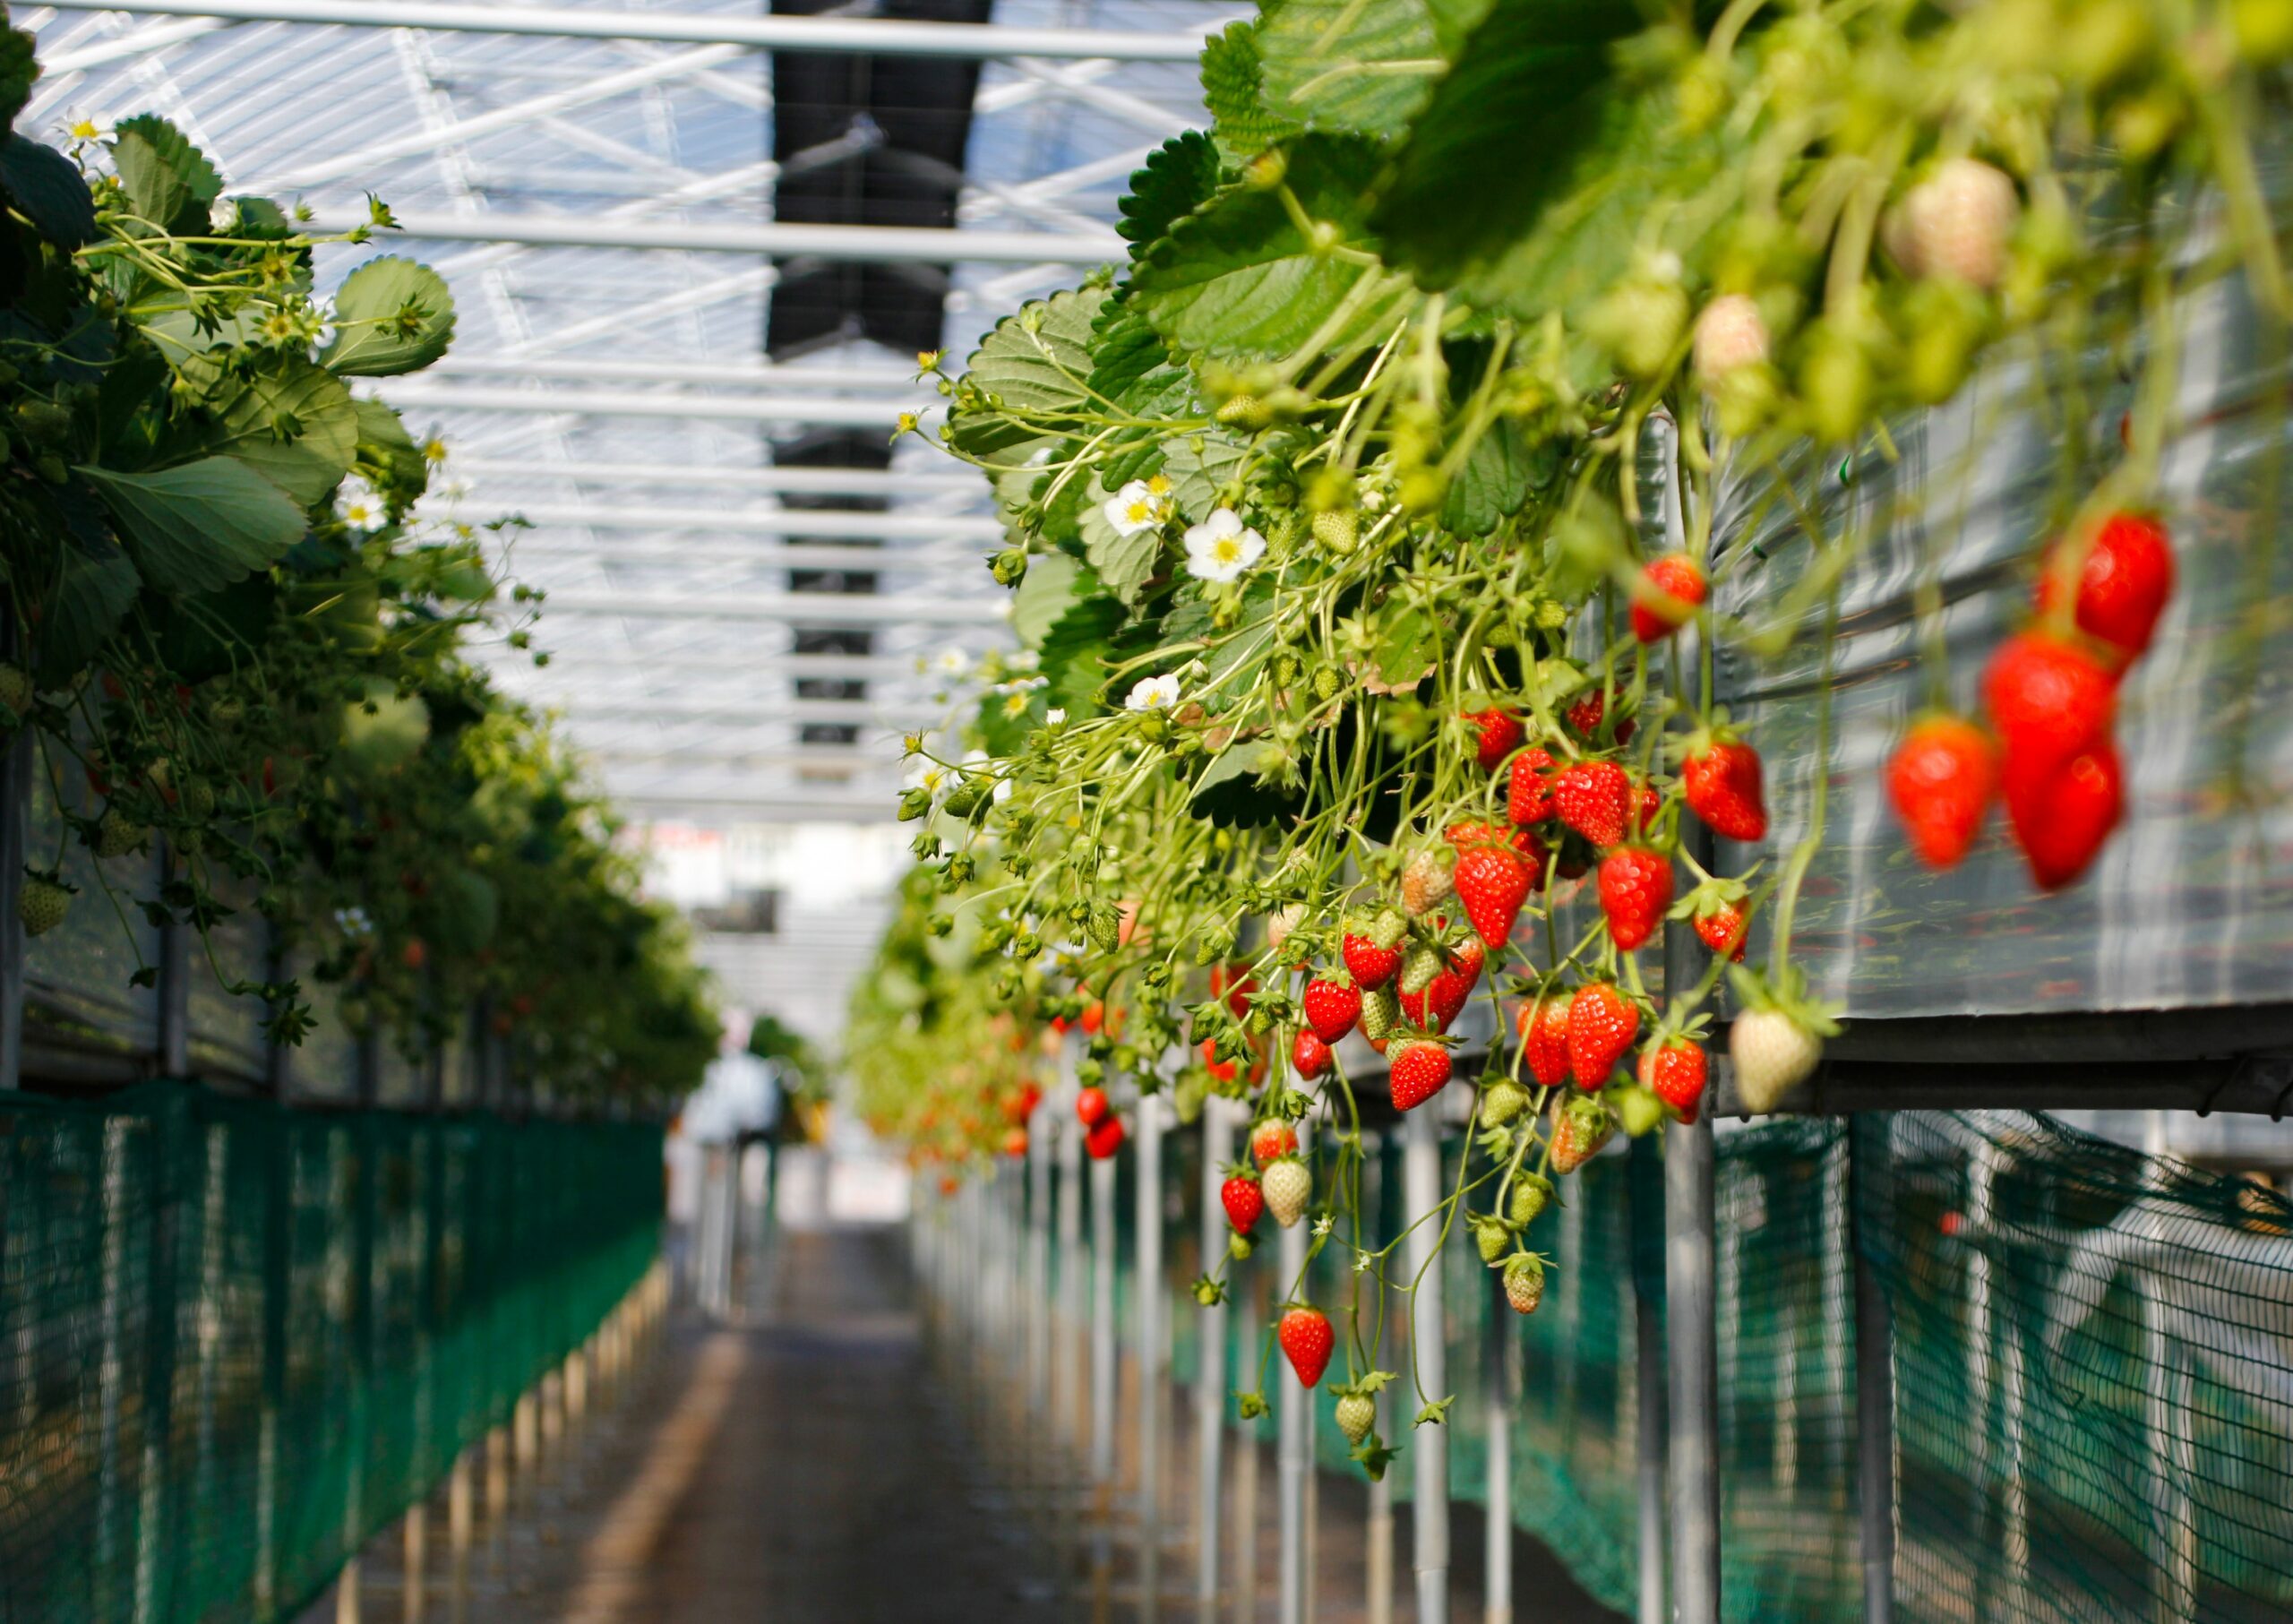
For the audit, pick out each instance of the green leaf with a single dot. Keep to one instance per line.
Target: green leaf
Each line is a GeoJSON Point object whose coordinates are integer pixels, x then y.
{"type": "Point", "coordinates": [49, 191]}
{"type": "Point", "coordinates": [1365, 65]}
{"type": "Point", "coordinates": [295, 424]}
{"type": "Point", "coordinates": [384, 446]}
{"type": "Point", "coordinates": [1405, 650]}
{"type": "Point", "coordinates": [391, 316]}
{"type": "Point", "coordinates": [1200, 468]}
{"type": "Point", "coordinates": [1132, 366]}
{"type": "Point", "coordinates": [18, 67]}
{"type": "Point", "coordinates": [83, 607]}
{"type": "Point", "coordinates": [1237, 277]}
{"type": "Point", "coordinates": [1229, 792]}
{"type": "Point", "coordinates": [1502, 469]}
{"type": "Point", "coordinates": [1124, 564]}
{"type": "Point", "coordinates": [1177, 178]}
{"type": "Point", "coordinates": [167, 180]}
{"type": "Point", "coordinates": [1036, 362]}
{"type": "Point", "coordinates": [201, 526]}
{"type": "Point", "coordinates": [1054, 583]}
{"type": "Point", "coordinates": [1073, 657]}
{"type": "Point", "coordinates": [1232, 89]}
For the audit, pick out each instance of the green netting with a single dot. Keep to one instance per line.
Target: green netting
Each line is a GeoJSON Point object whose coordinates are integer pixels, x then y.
{"type": "Point", "coordinates": [235, 1339]}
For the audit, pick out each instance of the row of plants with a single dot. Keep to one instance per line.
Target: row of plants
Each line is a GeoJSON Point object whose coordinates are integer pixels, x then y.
{"type": "Point", "coordinates": [1366, 584]}
{"type": "Point", "coordinates": [228, 631]}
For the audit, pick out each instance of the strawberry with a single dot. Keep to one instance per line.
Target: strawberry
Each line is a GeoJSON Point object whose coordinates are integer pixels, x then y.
{"type": "Point", "coordinates": [41, 902]}
{"type": "Point", "coordinates": [1720, 779]}
{"type": "Point", "coordinates": [1669, 590]}
{"type": "Point", "coordinates": [1372, 953]}
{"type": "Point", "coordinates": [1647, 806]}
{"type": "Point", "coordinates": [1635, 889]}
{"type": "Point", "coordinates": [1426, 883]}
{"type": "Point", "coordinates": [1491, 1237]}
{"type": "Point", "coordinates": [1637, 1110]}
{"type": "Point", "coordinates": [1531, 1193]}
{"type": "Point", "coordinates": [1015, 1142]}
{"type": "Point", "coordinates": [1104, 1138]}
{"type": "Point", "coordinates": [1380, 1014]}
{"type": "Point", "coordinates": [1464, 837]}
{"type": "Point", "coordinates": [1543, 1029]}
{"type": "Point", "coordinates": [1332, 1006]}
{"type": "Point", "coordinates": [1286, 1185]}
{"type": "Point", "coordinates": [1095, 1016]}
{"type": "Point", "coordinates": [1356, 1413]}
{"type": "Point", "coordinates": [1957, 223]}
{"type": "Point", "coordinates": [1306, 1341]}
{"type": "Point", "coordinates": [1492, 883]}
{"type": "Point", "coordinates": [1528, 798]}
{"type": "Point", "coordinates": [1602, 1022]}
{"type": "Point", "coordinates": [1281, 923]}
{"type": "Point", "coordinates": [2049, 701]}
{"type": "Point", "coordinates": [1272, 1138]}
{"type": "Point", "coordinates": [1771, 1052]}
{"type": "Point", "coordinates": [1309, 1056]}
{"type": "Point", "coordinates": [1525, 1282]}
{"type": "Point", "coordinates": [2122, 585]}
{"type": "Point", "coordinates": [1585, 715]}
{"type": "Point", "coordinates": [1580, 1127]}
{"type": "Point", "coordinates": [1502, 1101]}
{"type": "Point", "coordinates": [1237, 984]}
{"type": "Point", "coordinates": [1243, 1201]}
{"type": "Point", "coordinates": [1497, 735]}
{"type": "Point", "coordinates": [1593, 798]}
{"type": "Point", "coordinates": [1419, 966]}
{"type": "Point", "coordinates": [1445, 994]}
{"type": "Point", "coordinates": [1728, 335]}
{"type": "Point", "coordinates": [2061, 815]}
{"type": "Point", "coordinates": [16, 688]}
{"type": "Point", "coordinates": [117, 834]}
{"type": "Point", "coordinates": [1418, 1070]}
{"type": "Point", "coordinates": [1723, 930]}
{"type": "Point", "coordinates": [1940, 780]}
{"type": "Point", "coordinates": [1674, 1071]}
{"type": "Point", "coordinates": [1220, 1070]}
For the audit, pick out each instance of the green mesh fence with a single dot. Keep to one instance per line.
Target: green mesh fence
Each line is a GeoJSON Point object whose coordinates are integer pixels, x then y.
{"type": "Point", "coordinates": [236, 1340]}
{"type": "Point", "coordinates": [2094, 1365]}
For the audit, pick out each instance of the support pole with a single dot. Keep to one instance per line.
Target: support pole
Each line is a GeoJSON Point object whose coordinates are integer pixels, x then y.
{"type": "Point", "coordinates": [1210, 1366]}
{"type": "Point", "coordinates": [1692, 1346]}
{"type": "Point", "coordinates": [1245, 1510]}
{"type": "Point", "coordinates": [15, 814]}
{"type": "Point", "coordinates": [1645, 1175]}
{"type": "Point", "coordinates": [1497, 1356]}
{"type": "Point", "coordinates": [1875, 1375]}
{"type": "Point", "coordinates": [1102, 1374]}
{"type": "Point", "coordinates": [1379, 1560]}
{"type": "Point", "coordinates": [1421, 1188]}
{"type": "Point", "coordinates": [175, 983]}
{"type": "Point", "coordinates": [1149, 1292]}
{"type": "Point", "coordinates": [1294, 1435]}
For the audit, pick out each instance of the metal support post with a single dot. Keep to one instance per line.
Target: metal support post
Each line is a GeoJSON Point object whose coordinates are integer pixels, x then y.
{"type": "Point", "coordinates": [1379, 1560]}
{"type": "Point", "coordinates": [15, 815]}
{"type": "Point", "coordinates": [1102, 1377]}
{"type": "Point", "coordinates": [1692, 1346]}
{"type": "Point", "coordinates": [1875, 1376]}
{"type": "Point", "coordinates": [1210, 1365]}
{"type": "Point", "coordinates": [175, 984]}
{"type": "Point", "coordinates": [1422, 1186]}
{"type": "Point", "coordinates": [1247, 1323]}
{"type": "Point", "coordinates": [1148, 1312]}
{"type": "Point", "coordinates": [1645, 1174]}
{"type": "Point", "coordinates": [1497, 1585]}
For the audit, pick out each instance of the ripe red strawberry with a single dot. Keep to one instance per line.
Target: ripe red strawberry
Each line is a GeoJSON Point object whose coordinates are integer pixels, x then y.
{"type": "Point", "coordinates": [1237, 984]}
{"type": "Point", "coordinates": [2122, 585]}
{"type": "Point", "coordinates": [1580, 1127]}
{"type": "Point", "coordinates": [1499, 734]}
{"type": "Point", "coordinates": [1585, 715]}
{"type": "Point", "coordinates": [1464, 837]}
{"type": "Point", "coordinates": [1372, 952]}
{"type": "Point", "coordinates": [1095, 1016]}
{"type": "Point", "coordinates": [1015, 1142]}
{"type": "Point", "coordinates": [1602, 1023]}
{"type": "Point", "coordinates": [1271, 1139]}
{"type": "Point", "coordinates": [1332, 1006]}
{"type": "Point", "coordinates": [1593, 798]}
{"type": "Point", "coordinates": [1528, 798]}
{"type": "Point", "coordinates": [1675, 1072]}
{"type": "Point", "coordinates": [1670, 587]}
{"type": "Point", "coordinates": [1417, 1071]}
{"type": "Point", "coordinates": [1438, 1003]}
{"type": "Point", "coordinates": [1220, 1070]}
{"type": "Point", "coordinates": [1492, 882]}
{"type": "Point", "coordinates": [1720, 782]}
{"type": "Point", "coordinates": [1243, 1201]}
{"type": "Point", "coordinates": [1310, 1057]}
{"type": "Point", "coordinates": [2049, 701]}
{"type": "Point", "coordinates": [1723, 930]}
{"type": "Point", "coordinates": [1543, 1029]}
{"type": "Point", "coordinates": [1091, 1106]}
{"type": "Point", "coordinates": [2062, 815]}
{"type": "Point", "coordinates": [1940, 780]}
{"type": "Point", "coordinates": [1635, 889]}
{"type": "Point", "coordinates": [1647, 806]}
{"type": "Point", "coordinates": [1306, 1341]}
{"type": "Point", "coordinates": [1104, 1139]}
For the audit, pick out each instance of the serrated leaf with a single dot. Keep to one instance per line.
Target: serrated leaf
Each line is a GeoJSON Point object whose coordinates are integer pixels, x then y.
{"type": "Point", "coordinates": [1365, 65]}
{"type": "Point", "coordinates": [165, 179]}
{"type": "Point", "coordinates": [1232, 90]}
{"type": "Point", "coordinates": [49, 191]}
{"type": "Point", "coordinates": [1053, 583]}
{"type": "Point", "coordinates": [295, 426]}
{"type": "Point", "coordinates": [1238, 278]}
{"type": "Point", "coordinates": [1124, 564]}
{"type": "Point", "coordinates": [1499, 473]}
{"type": "Point", "coordinates": [1199, 468]}
{"type": "Point", "coordinates": [82, 609]}
{"type": "Point", "coordinates": [391, 316]}
{"type": "Point", "coordinates": [1035, 363]}
{"type": "Point", "coordinates": [1072, 658]}
{"type": "Point", "coordinates": [1132, 367]}
{"type": "Point", "coordinates": [1405, 651]}
{"type": "Point", "coordinates": [385, 445]}
{"type": "Point", "coordinates": [201, 526]}
{"type": "Point", "coordinates": [1177, 178]}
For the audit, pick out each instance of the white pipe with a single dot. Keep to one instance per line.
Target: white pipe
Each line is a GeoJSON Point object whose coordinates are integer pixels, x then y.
{"type": "Point", "coordinates": [802, 608]}
{"type": "Point", "coordinates": [822, 410]}
{"type": "Point", "coordinates": [1210, 1368]}
{"type": "Point", "coordinates": [667, 369]}
{"type": "Point", "coordinates": [1102, 1321]}
{"type": "Point", "coordinates": [1379, 1558]}
{"type": "Point", "coordinates": [1421, 1188]}
{"type": "Point", "coordinates": [787, 481]}
{"type": "Point", "coordinates": [963, 41]}
{"type": "Point", "coordinates": [1294, 1433]}
{"type": "Point", "coordinates": [775, 521]}
{"type": "Point", "coordinates": [776, 240]}
{"type": "Point", "coordinates": [1148, 1292]}
{"type": "Point", "coordinates": [1497, 1585]}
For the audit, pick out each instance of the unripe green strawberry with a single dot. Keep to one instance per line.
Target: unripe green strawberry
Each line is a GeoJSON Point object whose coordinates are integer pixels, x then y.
{"type": "Point", "coordinates": [117, 834]}
{"type": "Point", "coordinates": [1380, 1014]}
{"type": "Point", "coordinates": [1531, 1193]}
{"type": "Point", "coordinates": [199, 799]}
{"type": "Point", "coordinates": [1286, 1186]}
{"type": "Point", "coordinates": [1337, 530]}
{"type": "Point", "coordinates": [41, 903]}
{"type": "Point", "coordinates": [1502, 1101]}
{"type": "Point", "coordinates": [1638, 1110]}
{"type": "Point", "coordinates": [1245, 411]}
{"type": "Point", "coordinates": [1288, 669]}
{"type": "Point", "coordinates": [1357, 1413]}
{"type": "Point", "coordinates": [16, 688]}
{"type": "Point", "coordinates": [1326, 683]}
{"type": "Point", "coordinates": [1639, 322]}
{"type": "Point", "coordinates": [1491, 1237]}
{"type": "Point", "coordinates": [1524, 1282]}
{"type": "Point", "coordinates": [1420, 966]}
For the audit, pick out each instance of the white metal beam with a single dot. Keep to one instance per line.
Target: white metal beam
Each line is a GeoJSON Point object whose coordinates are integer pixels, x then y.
{"type": "Point", "coordinates": [776, 521]}
{"type": "Point", "coordinates": [536, 553]}
{"type": "Point", "coordinates": [866, 245]}
{"type": "Point", "coordinates": [875, 36]}
{"type": "Point", "coordinates": [823, 410]}
{"type": "Point", "coordinates": [785, 481]}
{"type": "Point", "coordinates": [669, 370]}
{"type": "Point", "coordinates": [783, 608]}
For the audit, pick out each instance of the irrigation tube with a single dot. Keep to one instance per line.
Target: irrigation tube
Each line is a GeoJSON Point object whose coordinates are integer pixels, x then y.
{"type": "Point", "coordinates": [1422, 1193]}
{"type": "Point", "coordinates": [1294, 1434]}
{"type": "Point", "coordinates": [1210, 1371]}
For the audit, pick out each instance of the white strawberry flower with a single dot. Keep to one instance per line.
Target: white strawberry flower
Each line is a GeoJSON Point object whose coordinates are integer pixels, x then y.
{"type": "Point", "coordinates": [1152, 693]}
{"type": "Point", "coordinates": [1221, 548]}
{"type": "Point", "coordinates": [1055, 716]}
{"type": "Point", "coordinates": [359, 507]}
{"type": "Point", "coordinates": [953, 661]}
{"type": "Point", "coordinates": [1143, 504]}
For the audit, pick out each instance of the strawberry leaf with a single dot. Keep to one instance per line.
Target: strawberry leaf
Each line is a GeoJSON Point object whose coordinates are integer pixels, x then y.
{"type": "Point", "coordinates": [1232, 89]}
{"type": "Point", "coordinates": [1177, 178]}
{"type": "Point", "coordinates": [1026, 375]}
{"type": "Point", "coordinates": [1362, 66]}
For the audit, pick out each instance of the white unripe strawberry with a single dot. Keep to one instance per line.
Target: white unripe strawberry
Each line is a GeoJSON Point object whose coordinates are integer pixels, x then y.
{"type": "Point", "coordinates": [1772, 1052]}
{"type": "Point", "coordinates": [1357, 1413]}
{"type": "Point", "coordinates": [1957, 223]}
{"type": "Point", "coordinates": [1728, 335]}
{"type": "Point", "coordinates": [1286, 1186]}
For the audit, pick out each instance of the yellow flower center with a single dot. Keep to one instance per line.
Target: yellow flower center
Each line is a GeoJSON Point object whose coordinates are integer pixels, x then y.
{"type": "Point", "coordinates": [1227, 550]}
{"type": "Point", "coordinates": [1140, 512]}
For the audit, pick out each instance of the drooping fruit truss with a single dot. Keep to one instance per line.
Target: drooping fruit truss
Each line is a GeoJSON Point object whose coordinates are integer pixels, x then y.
{"type": "Point", "coordinates": [1368, 590]}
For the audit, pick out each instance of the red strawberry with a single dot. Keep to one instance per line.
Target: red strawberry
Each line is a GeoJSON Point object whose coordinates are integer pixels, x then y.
{"type": "Point", "coordinates": [1675, 1071]}
{"type": "Point", "coordinates": [1237, 984]}
{"type": "Point", "coordinates": [1492, 883]}
{"type": "Point", "coordinates": [1647, 806]}
{"type": "Point", "coordinates": [2122, 585]}
{"type": "Point", "coordinates": [1332, 1006]}
{"type": "Point", "coordinates": [1091, 1106]}
{"type": "Point", "coordinates": [1369, 965]}
{"type": "Point", "coordinates": [1418, 1070]}
{"type": "Point", "coordinates": [1445, 995]}
{"type": "Point", "coordinates": [1593, 798]}
{"type": "Point", "coordinates": [1015, 1142]}
{"type": "Point", "coordinates": [1271, 1139]}
{"type": "Point", "coordinates": [1544, 1030]}
{"type": "Point", "coordinates": [1499, 734]}
{"type": "Point", "coordinates": [1940, 779]}
{"type": "Point", "coordinates": [1244, 1202]}
{"type": "Point", "coordinates": [1721, 786]}
{"type": "Point", "coordinates": [1306, 1341]}
{"type": "Point", "coordinates": [1220, 1070]}
{"type": "Point", "coordinates": [1103, 1140]}
{"type": "Point", "coordinates": [1670, 588]}
{"type": "Point", "coordinates": [1095, 1016]}
{"type": "Point", "coordinates": [1585, 715]}
{"type": "Point", "coordinates": [1635, 889]}
{"type": "Point", "coordinates": [2062, 815]}
{"type": "Point", "coordinates": [2049, 702]}
{"type": "Point", "coordinates": [1310, 1057]}
{"type": "Point", "coordinates": [1723, 930]}
{"type": "Point", "coordinates": [1528, 798]}
{"type": "Point", "coordinates": [1581, 1127]}
{"type": "Point", "coordinates": [1602, 1023]}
